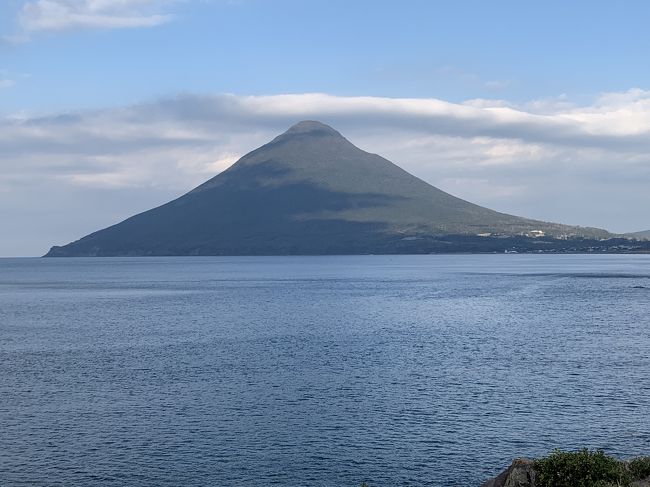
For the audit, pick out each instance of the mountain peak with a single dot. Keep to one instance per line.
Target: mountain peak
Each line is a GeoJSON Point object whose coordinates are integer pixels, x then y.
{"type": "Point", "coordinates": [311, 127]}
{"type": "Point", "coordinates": [311, 191]}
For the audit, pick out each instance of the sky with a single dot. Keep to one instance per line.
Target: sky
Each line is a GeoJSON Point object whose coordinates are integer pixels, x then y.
{"type": "Point", "coordinates": [111, 107]}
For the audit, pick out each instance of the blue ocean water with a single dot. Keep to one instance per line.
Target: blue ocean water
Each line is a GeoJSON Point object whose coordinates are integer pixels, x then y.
{"type": "Point", "coordinates": [317, 371]}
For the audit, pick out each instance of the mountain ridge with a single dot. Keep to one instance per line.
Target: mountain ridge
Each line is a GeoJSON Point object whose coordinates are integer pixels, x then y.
{"type": "Point", "coordinates": [639, 235]}
{"type": "Point", "coordinates": [307, 191]}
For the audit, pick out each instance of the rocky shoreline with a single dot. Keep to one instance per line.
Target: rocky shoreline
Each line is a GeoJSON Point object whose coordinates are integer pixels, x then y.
{"type": "Point", "coordinates": [524, 472]}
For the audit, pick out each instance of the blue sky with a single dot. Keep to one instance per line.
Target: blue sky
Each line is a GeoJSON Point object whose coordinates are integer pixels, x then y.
{"type": "Point", "coordinates": [512, 79]}
{"type": "Point", "coordinates": [450, 50]}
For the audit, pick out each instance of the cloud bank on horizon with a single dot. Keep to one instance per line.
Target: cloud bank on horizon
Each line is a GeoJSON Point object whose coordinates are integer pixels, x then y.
{"type": "Point", "coordinates": [546, 159]}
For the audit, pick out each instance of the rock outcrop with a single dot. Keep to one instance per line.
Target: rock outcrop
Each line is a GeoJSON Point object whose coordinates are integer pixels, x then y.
{"type": "Point", "coordinates": [520, 474]}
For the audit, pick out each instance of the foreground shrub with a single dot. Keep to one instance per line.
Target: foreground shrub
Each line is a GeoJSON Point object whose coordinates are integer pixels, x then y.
{"type": "Point", "coordinates": [639, 468]}
{"type": "Point", "coordinates": [583, 468]}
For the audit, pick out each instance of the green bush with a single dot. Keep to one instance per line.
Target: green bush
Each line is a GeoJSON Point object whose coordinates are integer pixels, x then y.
{"type": "Point", "coordinates": [582, 468]}
{"type": "Point", "coordinates": [639, 468]}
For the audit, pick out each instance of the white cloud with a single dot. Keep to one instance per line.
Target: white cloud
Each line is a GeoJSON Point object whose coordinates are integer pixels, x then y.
{"type": "Point", "coordinates": [60, 15]}
{"type": "Point", "coordinates": [488, 133]}
{"type": "Point", "coordinates": [6, 83]}
{"type": "Point", "coordinates": [551, 160]}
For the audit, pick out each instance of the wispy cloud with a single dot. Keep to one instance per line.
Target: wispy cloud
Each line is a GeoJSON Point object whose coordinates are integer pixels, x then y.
{"type": "Point", "coordinates": [9, 79]}
{"type": "Point", "coordinates": [615, 124]}
{"type": "Point", "coordinates": [63, 15]}
{"type": "Point", "coordinates": [472, 78]}
{"type": "Point", "coordinates": [550, 160]}
{"type": "Point", "coordinates": [497, 84]}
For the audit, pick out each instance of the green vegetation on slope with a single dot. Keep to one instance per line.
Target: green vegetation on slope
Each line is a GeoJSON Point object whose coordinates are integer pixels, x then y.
{"type": "Point", "coordinates": [586, 468]}
{"type": "Point", "coordinates": [640, 235]}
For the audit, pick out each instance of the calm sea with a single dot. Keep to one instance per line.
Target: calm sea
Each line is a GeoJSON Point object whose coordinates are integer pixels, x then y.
{"type": "Point", "coordinates": [317, 371]}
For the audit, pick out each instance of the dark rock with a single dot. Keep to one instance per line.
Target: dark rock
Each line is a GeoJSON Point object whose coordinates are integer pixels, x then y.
{"type": "Point", "coordinates": [520, 474]}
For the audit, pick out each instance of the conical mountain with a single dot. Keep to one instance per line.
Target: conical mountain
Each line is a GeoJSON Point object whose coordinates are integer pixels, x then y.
{"type": "Point", "coordinates": [308, 191]}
